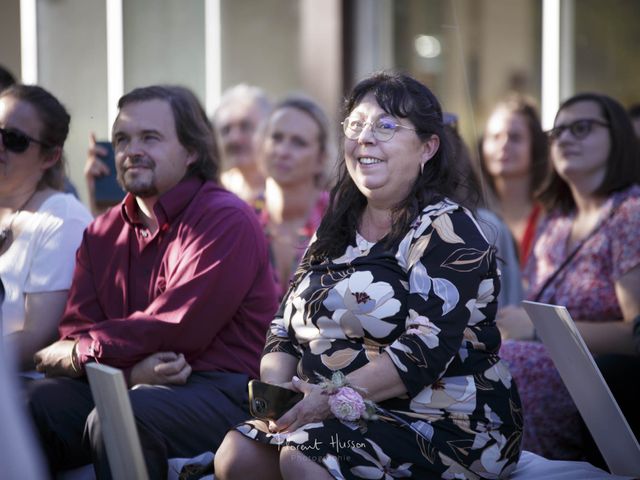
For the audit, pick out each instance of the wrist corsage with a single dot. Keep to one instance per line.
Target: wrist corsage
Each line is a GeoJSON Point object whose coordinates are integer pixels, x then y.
{"type": "Point", "coordinates": [347, 404]}
{"type": "Point", "coordinates": [346, 401]}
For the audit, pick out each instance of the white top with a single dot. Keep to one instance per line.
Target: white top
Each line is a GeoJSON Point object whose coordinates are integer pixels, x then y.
{"type": "Point", "coordinates": [42, 256]}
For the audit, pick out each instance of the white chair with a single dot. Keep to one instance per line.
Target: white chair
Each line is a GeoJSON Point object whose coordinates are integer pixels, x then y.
{"type": "Point", "coordinates": [589, 391]}
{"type": "Point", "coordinates": [116, 419]}
{"type": "Point", "coordinates": [123, 446]}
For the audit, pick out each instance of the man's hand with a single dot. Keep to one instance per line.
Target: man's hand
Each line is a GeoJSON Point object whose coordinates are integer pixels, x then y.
{"type": "Point", "coordinates": [55, 360]}
{"type": "Point", "coordinates": [94, 167]}
{"type": "Point", "coordinates": [161, 368]}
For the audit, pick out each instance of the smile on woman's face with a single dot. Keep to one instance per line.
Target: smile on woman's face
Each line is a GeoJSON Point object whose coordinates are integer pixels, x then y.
{"type": "Point", "coordinates": [385, 171]}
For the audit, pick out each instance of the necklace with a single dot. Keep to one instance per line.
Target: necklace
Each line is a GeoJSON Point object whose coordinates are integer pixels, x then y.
{"type": "Point", "coordinates": [5, 233]}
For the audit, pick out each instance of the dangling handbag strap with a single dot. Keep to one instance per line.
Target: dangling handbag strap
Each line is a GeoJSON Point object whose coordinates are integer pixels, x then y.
{"type": "Point", "coordinates": [572, 255]}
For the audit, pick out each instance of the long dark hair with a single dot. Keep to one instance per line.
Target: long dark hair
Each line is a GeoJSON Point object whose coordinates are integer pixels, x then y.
{"type": "Point", "coordinates": [194, 130]}
{"type": "Point", "coordinates": [623, 164]}
{"type": "Point", "coordinates": [55, 128]}
{"type": "Point", "coordinates": [403, 97]}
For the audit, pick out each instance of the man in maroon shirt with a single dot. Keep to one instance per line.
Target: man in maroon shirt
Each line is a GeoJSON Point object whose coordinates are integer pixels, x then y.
{"type": "Point", "coordinates": [173, 286]}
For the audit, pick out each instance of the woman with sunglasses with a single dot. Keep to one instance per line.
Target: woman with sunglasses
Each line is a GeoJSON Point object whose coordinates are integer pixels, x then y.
{"type": "Point", "coordinates": [586, 257]}
{"type": "Point", "coordinates": [40, 227]}
{"type": "Point", "coordinates": [388, 326]}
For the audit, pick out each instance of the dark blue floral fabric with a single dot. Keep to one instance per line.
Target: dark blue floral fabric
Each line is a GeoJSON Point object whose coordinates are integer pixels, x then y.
{"type": "Point", "coordinates": [429, 304]}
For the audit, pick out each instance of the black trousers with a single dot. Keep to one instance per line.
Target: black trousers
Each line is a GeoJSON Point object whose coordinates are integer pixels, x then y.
{"type": "Point", "coordinates": [172, 421]}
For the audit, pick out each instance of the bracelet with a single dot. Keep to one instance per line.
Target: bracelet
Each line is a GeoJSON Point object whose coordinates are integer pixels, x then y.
{"type": "Point", "coordinates": [345, 401]}
{"type": "Point", "coordinates": [74, 358]}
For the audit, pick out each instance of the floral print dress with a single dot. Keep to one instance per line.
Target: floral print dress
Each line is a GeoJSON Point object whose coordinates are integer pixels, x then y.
{"type": "Point", "coordinates": [586, 286]}
{"type": "Point", "coordinates": [429, 304]}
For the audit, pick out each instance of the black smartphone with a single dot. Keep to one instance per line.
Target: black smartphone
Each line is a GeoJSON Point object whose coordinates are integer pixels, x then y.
{"type": "Point", "coordinates": [270, 402]}
{"type": "Point", "coordinates": [108, 190]}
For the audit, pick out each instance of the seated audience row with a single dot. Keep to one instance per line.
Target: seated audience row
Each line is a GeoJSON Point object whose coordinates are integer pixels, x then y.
{"type": "Point", "coordinates": [394, 302]}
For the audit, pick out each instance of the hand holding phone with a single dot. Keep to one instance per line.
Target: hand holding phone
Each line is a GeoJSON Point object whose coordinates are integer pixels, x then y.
{"type": "Point", "coordinates": [107, 189]}
{"type": "Point", "coordinates": [270, 402]}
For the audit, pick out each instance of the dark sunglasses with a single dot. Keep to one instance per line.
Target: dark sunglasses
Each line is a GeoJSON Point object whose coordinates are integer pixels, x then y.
{"type": "Point", "coordinates": [579, 129]}
{"type": "Point", "coordinates": [16, 141]}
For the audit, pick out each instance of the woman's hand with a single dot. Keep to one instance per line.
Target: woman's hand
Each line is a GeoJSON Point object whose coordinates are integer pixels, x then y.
{"type": "Point", "coordinates": [314, 407]}
{"type": "Point", "coordinates": [514, 323]}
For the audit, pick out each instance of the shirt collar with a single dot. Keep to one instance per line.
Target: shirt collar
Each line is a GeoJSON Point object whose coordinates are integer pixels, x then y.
{"type": "Point", "coordinates": [169, 205]}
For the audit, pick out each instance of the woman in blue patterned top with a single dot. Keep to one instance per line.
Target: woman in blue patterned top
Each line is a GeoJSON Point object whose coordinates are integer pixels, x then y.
{"type": "Point", "coordinates": [388, 327]}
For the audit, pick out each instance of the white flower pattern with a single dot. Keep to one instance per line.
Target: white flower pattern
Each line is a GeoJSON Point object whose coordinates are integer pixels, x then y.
{"type": "Point", "coordinates": [429, 305]}
{"type": "Point", "coordinates": [359, 304]}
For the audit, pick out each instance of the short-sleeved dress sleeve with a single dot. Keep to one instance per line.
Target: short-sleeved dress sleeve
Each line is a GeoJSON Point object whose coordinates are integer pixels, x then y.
{"type": "Point", "coordinates": [42, 257]}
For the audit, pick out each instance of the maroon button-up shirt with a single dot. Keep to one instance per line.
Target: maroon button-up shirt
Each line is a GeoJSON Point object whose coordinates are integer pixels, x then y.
{"type": "Point", "coordinates": [201, 285]}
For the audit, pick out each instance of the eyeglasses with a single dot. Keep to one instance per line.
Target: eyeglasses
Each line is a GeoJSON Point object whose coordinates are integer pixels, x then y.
{"type": "Point", "coordinates": [579, 129]}
{"type": "Point", "coordinates": [383, 130]}
{"type": "Point", "coordinates": [16, 141]}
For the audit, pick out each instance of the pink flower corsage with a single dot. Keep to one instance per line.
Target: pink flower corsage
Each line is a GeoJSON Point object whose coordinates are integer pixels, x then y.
{"type": "Point", "coordinates": [347, 404]}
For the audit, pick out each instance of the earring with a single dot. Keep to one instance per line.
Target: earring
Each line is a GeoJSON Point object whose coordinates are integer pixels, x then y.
{"type": "Point", "coordinates": [421, 169]}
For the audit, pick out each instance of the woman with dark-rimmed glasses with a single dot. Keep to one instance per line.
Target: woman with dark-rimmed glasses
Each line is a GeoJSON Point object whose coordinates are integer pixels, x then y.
{"type": "Point", "coordinates": [40, 227]}
{"type": "Point", "coordinates": [586, 257]}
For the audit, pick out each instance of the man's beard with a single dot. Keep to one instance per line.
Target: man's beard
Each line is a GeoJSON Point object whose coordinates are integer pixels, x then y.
{"type": "Point", "coordinates": [142, 191]}
{"type": "Point", "coordinates": [138, 186]}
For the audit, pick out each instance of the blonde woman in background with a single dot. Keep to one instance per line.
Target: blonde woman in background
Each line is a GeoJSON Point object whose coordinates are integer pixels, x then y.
{"type": "Point", "coordinates": [293, 154]}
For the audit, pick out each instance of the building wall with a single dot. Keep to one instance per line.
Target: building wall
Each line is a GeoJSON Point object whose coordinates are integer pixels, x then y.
{"type": "Point", "coordinates": [163, 42]}
{"type": "Point", "coordinates": [10, 36]}
{"type": "Point", "coordinates": [72, 65]}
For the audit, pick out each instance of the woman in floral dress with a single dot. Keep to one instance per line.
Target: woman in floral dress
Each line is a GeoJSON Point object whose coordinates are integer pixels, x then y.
{"type": "Point", "coordinates": [398, 293]}
{"type": "Point", "coordinates": [587, 258]}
